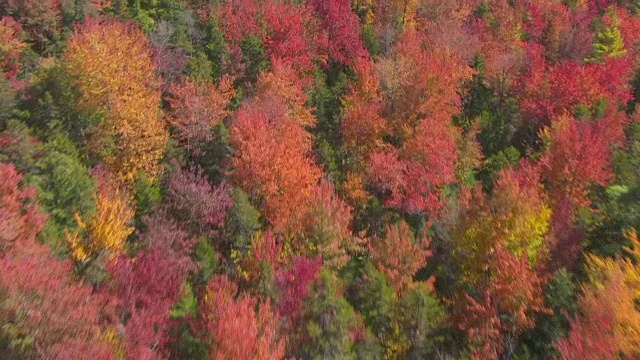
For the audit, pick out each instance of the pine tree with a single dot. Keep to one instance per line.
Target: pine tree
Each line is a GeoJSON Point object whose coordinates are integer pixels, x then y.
{"type": "Point", "coordinates": [608, 42]}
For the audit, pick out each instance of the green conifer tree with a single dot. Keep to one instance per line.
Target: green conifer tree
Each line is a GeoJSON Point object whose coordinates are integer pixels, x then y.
{"type": "Point", "coordinates": [608, 42]}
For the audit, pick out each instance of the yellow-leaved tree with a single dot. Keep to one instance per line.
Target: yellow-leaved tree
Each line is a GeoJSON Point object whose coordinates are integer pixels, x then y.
{"type": "Point", "coordinates": [615, 283]}
{"type": "Point", "coordinates": [107, 230]}
{"type": "Point", "coordinates": [112, 67]}
{"type": "Point", "coordinates": [515, 218]}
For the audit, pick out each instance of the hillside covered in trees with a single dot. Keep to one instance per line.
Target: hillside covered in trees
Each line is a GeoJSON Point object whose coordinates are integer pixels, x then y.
{"type": "Point", "coordinates": [319, 179]}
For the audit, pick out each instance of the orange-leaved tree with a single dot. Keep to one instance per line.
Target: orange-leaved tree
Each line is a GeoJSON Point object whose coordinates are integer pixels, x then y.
{"type": "Point", "coordinates": [236, 330]}
{"type": "Point", "coordinates": [610, 307]}
{"type": "Point", "coordinates": [195, 108]}
{"type": "Point", "coordinates": [11, 47]}
{"type": "Point", "coordinates": [271, 145]}
{"type": "Point", "coordinates": [111, 65]}
{"type": "Point", "coordinates": [419, 86]}
{"type": "Point", "coordinates": [399, 254]}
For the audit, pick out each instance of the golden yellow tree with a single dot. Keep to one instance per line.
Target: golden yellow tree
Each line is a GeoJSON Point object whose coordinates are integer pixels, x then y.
{"type": "Point", "coordinates": [107, 229]}
{"type": "Point", "coordinates": [516, 218]}
{"type": "Point", "coordinates": [616, 282]}
{"type": "Point", "coordinates": [111, 65]}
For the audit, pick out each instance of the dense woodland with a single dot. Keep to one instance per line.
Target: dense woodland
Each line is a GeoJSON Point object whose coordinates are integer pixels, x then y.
{"type": "Point", "coordinates": [319, 179]}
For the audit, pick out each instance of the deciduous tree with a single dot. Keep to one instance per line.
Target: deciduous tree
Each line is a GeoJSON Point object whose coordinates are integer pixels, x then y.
{"type": "Point", "coordinates": [271, 163]}
{"type": "Point", "coordinates": [235, 329]}
{"type": "Point", "coordinates": [45, 311]}
{"type": "Point", "coordinates": [508, 306]}
{"type": "Point", "coordinates": [197, 203]}
{"type": "Point", "coordinates": [399, 254]}
{"type": "Point", "coordinates": [20, 218]}
{"type": "Point", "coordinates": [413, 178]}
{"type": "Point", "coordinates": [548, 92]}
{"type": "Point", "coordinates": [11, 47]}
{"type": "Point", "coordinates": [611, 298]}
{"type": "Point", "coordinates": [420, 83]}
{"type": "Point", "coordinates": [107, 230]}
{"type": "Point", "coordinates": [112, 67]}
{"type": "Point", "coordinates": [145, 288]}
{"type": "Point", "coordinates": [41, 19]}
{"type": "Point", "coordinates": [195, 107]}
{"type": "Point", "coordinates": [294, 283]}
{"type": "Point", "coordinates": [294, 37]}
{"type": "Point", "coordinates": [342, 27]}
{"type": "Point", "coordinates": [283, 84]}
{"type": "Point", "coordinates": [327, 226]}
{"type": "Point", "coordinates": [578, 154]}
{"type": "Point", "coordinates": [516, 219]}
{"type": "Point", "coordinates": [419, 87]}
{"type": "Point", "coordinates": [362, 125]}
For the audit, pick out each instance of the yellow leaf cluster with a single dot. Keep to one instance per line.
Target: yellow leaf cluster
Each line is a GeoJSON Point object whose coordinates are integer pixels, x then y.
{"type": "Point", "coordinates": [515, 218]}
{"type": "Point", "coordinates": [108, 228]}
{"type": "Point", "coordinates": [518, 232]}
{"type": "Point", "coordinates": [78, 251]}
{"type": "Point", "coordinates": [618, 282]}
{"type": "Point", "coordinates": [354, 188]}
{"type": "Point", "coordinates": [599, 269]}
{"type": "Point", "coordinates": [396, 344]}
{"type": "Point", "coordinates": [112, 67]}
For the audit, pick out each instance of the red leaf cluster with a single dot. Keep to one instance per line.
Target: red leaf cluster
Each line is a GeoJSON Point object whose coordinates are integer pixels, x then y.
{"type": "Point", "coordinates": [341, 26]}
{"type": "Point", "coordinates": [197, 203]}
{"type": "Point", "coordinates": [236, 330]}
{"type": "Point", "coordinates": [196, 108]}
{"type": "Point", "coordinates": [508, 305]}
{"type": "Point", "coordinates": [40, 297]}
{"type": "Point", "coordinates": [271, 162]}
{"type": "Point", "coordinates": [400, 255]}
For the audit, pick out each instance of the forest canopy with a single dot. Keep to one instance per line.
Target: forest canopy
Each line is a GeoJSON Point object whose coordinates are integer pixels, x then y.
{"type": "Point", "coordinates": [319, 179]}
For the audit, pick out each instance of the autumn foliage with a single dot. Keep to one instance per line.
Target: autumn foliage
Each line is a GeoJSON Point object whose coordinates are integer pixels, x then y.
{"type": "Point", "coordinates": [610, 322]}
{"type": "Point", "coordinates": [196, 108]}
{"type": "Point", "coordinates": [111, 65]}
{"type": "Point", "coordinates": [145, 288]}
{"type": "Point", "coordinates": [319, 179]}
{"type": "Point", "coordinates": [108, 229]}
{"type": "Point", "coordinates": [41, 19]}
{"type": "Point", "coordinates": [42, 302]}
{"type": "Point", "coordinates": [236, 330]}
{"type": "Point", "coordinates": [12, 47]}
{"type": "Point", "coordinates": [271, 161]}
{"type": "Point", "coordinates": [399, 255]}
{"type": "Point", "coordinates": [198, 204]}
{"type": "Point", "coordinates": [507, 307]}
